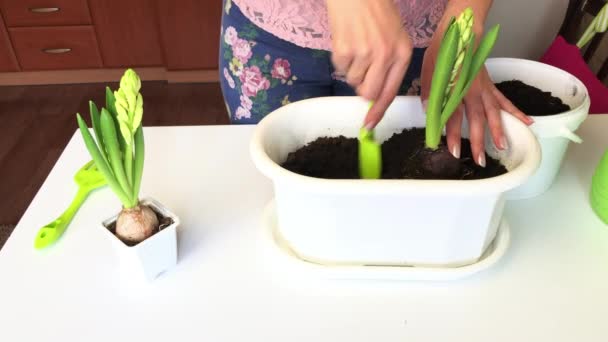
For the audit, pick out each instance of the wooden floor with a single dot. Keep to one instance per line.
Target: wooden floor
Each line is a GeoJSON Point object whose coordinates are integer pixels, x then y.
{"type": "Point", "coordinates": [36, 122]}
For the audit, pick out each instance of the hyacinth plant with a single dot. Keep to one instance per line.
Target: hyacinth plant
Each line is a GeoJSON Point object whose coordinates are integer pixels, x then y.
{"type": "Point", "coordinates": [457, 65]}
{"type": "Point", "coordinates": [118, 152]}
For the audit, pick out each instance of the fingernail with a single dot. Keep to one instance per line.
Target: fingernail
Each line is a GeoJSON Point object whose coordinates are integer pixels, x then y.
{"type": "Point", "coordinates": [530, 120]}
{"type": "Point", "coordinates": [503, 143]}
{"type": "Point", "coordinates": [481, 160]}
{"type": "Point", "coordinates": [369, 126]}
{"type": "Point", "coordinates": [456, 151]}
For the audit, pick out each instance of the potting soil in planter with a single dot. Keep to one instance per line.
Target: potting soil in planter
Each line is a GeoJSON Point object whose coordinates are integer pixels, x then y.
{"type": "Point", "coordinates": [532, 100]}
{"type": "Point", "coordinates": [163, 222]}
{"type": "Point", "coordinates": [404, 157]}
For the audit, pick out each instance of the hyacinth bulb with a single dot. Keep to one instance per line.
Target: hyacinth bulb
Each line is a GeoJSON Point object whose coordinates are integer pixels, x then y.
{"type": "Point", "coordinates": [136, 224]}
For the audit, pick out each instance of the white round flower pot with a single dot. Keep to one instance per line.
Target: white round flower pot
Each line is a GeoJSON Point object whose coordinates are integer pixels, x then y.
{"type": "Point", "coordinates": [151, 257]}
{"type": "Point", "coordinates": [554, 132]}
{"type": "Point", "coordinates": [443, 223]}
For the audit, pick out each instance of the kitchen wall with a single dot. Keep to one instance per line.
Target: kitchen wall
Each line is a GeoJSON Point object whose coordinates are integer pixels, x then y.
{"type": "Point", "coordinates": [527, 26]}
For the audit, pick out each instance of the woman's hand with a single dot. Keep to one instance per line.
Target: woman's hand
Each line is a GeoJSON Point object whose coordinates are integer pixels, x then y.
{"type": "Point", "coordinates": [371, 48]}
{"type": "Point", "coordinates": [482, 104]}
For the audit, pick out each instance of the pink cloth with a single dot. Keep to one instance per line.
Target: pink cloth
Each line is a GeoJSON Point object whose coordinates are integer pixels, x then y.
{"type": "Point", "coordinates": [305, 22]}
{"type": "Point", "coordinates": [568, 58]}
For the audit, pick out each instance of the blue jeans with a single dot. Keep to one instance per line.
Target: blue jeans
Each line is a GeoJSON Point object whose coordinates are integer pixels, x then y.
{"type": "Point", "coordinates": [260, 72]}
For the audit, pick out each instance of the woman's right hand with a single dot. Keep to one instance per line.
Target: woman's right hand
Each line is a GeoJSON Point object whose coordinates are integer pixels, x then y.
{"type": "Point", "coordinates": [371, 48]}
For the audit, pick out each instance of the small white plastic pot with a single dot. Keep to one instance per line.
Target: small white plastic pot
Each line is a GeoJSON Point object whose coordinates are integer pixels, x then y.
{"type": "Point", "coordinates": [441, 223]}
{"type": "Point", "coordinates": [554, 132]}
{"type": "Point", "coordinates": [151, 257]}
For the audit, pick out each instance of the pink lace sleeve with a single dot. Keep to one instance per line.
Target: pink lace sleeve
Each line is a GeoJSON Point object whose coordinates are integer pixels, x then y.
{"type": "Point", "coordinates": [420, 18]}
{"type": "Point", "coordinates": [305, 22]}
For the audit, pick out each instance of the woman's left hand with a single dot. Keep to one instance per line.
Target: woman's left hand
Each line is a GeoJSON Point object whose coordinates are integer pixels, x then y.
{"type": "Point", "coordinates": [482, 104]}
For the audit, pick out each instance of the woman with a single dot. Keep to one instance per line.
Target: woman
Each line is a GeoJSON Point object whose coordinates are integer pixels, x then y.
{"type": "Point", "coordinates": [278, 51]}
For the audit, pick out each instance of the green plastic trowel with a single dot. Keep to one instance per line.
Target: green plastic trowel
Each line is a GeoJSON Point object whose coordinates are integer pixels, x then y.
{"type": "Point", "coordinates": [88, 178]}
{"type": "Point", "coordinates": [370, 154]}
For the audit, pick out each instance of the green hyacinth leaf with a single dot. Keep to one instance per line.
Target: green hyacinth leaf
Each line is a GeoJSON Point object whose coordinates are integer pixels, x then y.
{"type": "Point", "coordinates": [446, 59]}
{"type": "Point", "coordinates": [481, 54]}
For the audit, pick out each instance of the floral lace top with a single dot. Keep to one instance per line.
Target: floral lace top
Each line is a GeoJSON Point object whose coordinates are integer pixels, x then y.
{"type": "Point", "coordinates": [305, 22]}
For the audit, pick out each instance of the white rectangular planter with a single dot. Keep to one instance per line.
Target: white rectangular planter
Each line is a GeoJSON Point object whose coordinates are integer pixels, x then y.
{"type": "Point", "coordinates": [151, 257]}
{"type": "Point", "coordinates": [554, 132]}
{"type": "Point", "coordinates": [383, 222]}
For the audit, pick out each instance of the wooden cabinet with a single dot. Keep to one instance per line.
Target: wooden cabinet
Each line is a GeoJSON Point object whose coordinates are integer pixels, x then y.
{"type": "Point", "coordinates": [190, 32]}
{"type": "Point", "coordinates": [51, 48]}
{"type": "Point", "coordinates": [8, 62]}
{"type": "Point", "coordinates": [128, 32]}
{"type": "Point", "coordinates": [163, 35]}
{"type": "Point", "coordinates": [45, 12]}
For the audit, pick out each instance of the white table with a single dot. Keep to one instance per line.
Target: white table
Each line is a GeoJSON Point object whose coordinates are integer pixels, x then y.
{"type": "Point", "coordinates": [552, 285]}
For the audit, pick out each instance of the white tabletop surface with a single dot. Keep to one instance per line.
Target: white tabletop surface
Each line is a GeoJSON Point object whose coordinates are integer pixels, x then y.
{"type": "Point", "coordinates": [552, 284]}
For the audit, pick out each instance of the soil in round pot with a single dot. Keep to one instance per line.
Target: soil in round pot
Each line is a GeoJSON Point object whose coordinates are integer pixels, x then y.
{"type": "Point", "coordinates": [531, 100]}
{"type": "Point", "coordinates": [404, 157]}
{"type": "Point", "coordinates": [162, 222]}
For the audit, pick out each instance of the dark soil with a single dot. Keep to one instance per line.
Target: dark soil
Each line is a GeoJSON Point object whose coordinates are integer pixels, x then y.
{"type": "Point", "coordinates": [404, 156]}
{"type": "Point", "coordinates": [532, 100]}
{"type": "Point", "coordinates": [332, 158]}
{"type": "Point", "coordinates": [163, 222]}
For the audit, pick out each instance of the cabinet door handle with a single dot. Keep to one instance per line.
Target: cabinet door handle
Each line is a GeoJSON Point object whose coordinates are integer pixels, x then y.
{"type": "Point", "coordinates": [44, 9]}
{"type": "Point", "coordinates": [56, 51]}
